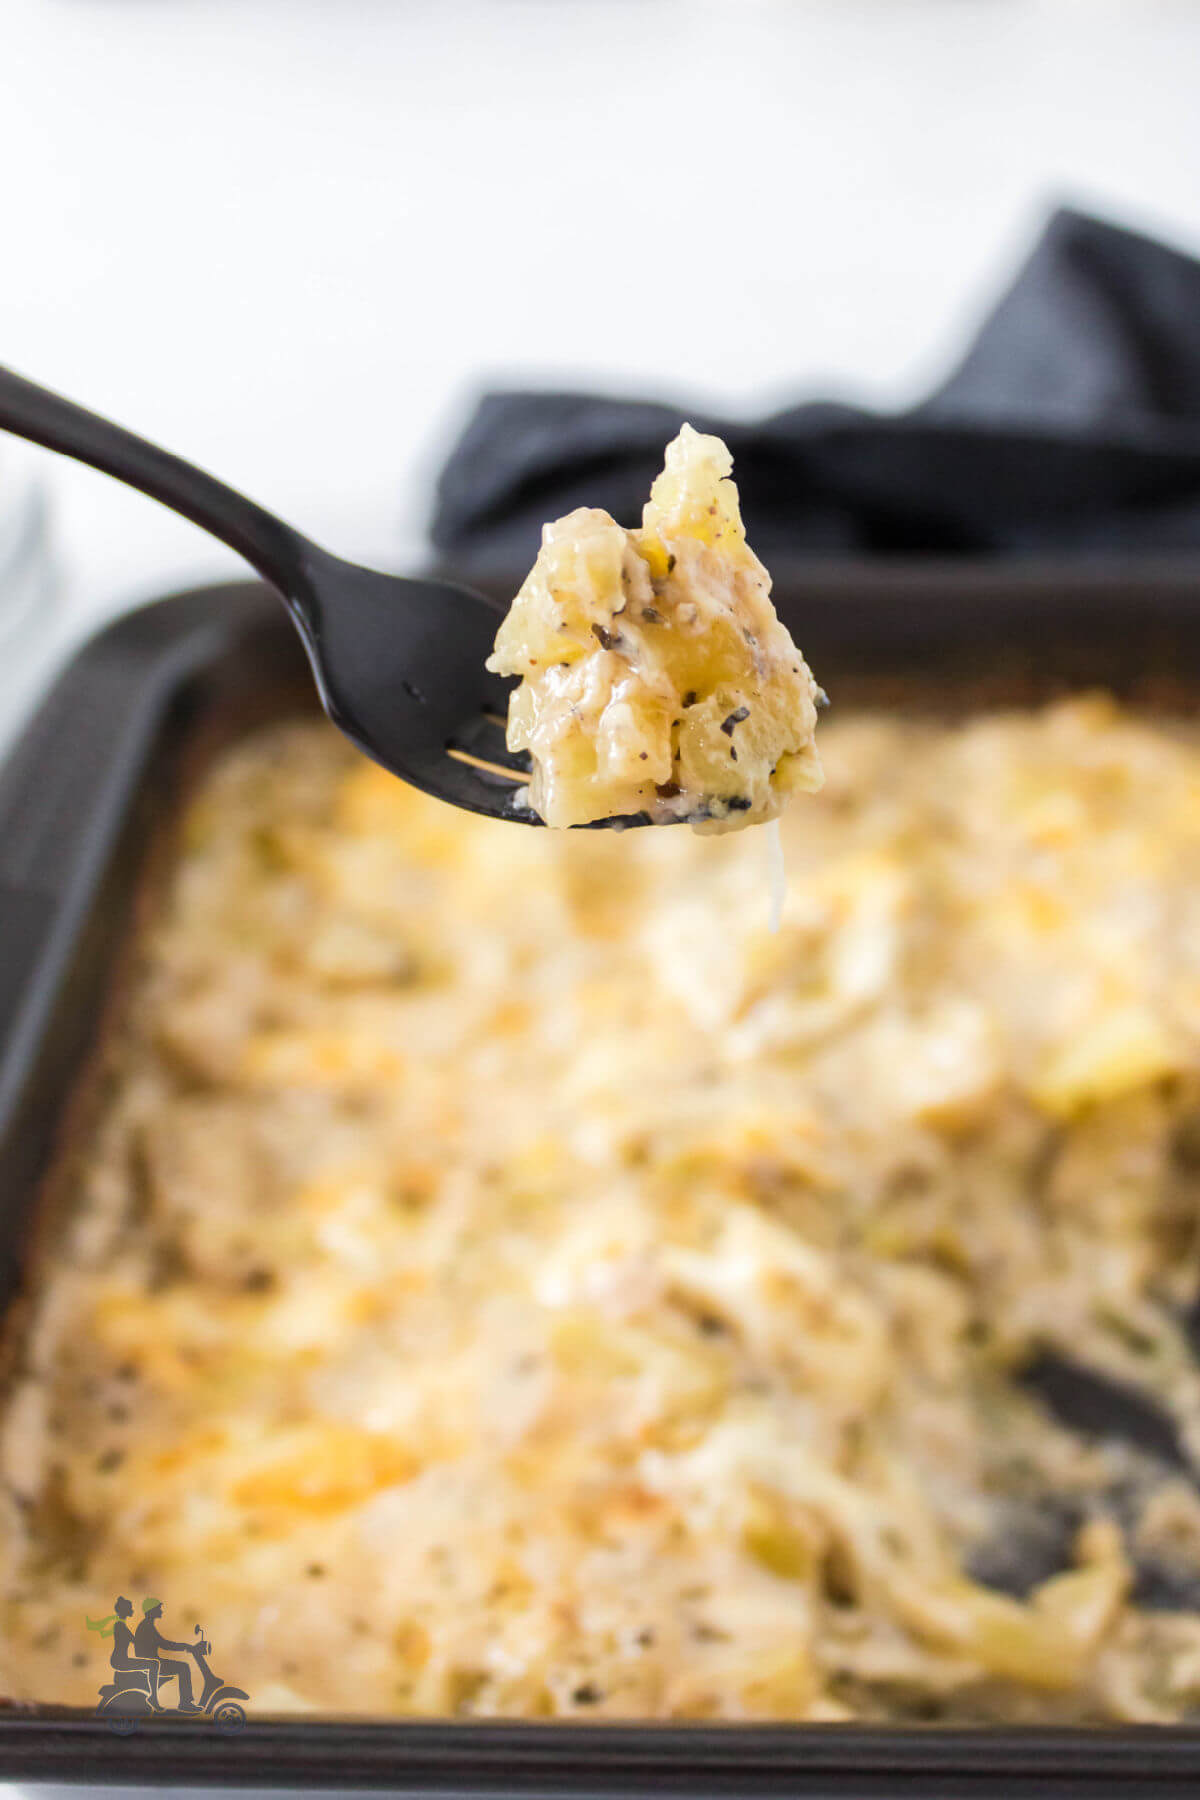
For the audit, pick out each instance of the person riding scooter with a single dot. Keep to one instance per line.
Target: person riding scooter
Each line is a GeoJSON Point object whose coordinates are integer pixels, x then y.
{"type": "Point", "coordinates": [123, 1658]}
{"type": "Point", "coordinates": [134, 1687]}
{"type": "Point", "coordinates": [148, 1641]}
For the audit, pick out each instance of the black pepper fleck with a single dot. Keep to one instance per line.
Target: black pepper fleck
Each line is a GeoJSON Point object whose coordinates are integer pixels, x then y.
{"type": "Point", "coordinates": [587, 1694]}
{"type": "Point", "coordinates": [604, 638]}
{"type": "Point", "coordinates": [734, 718]}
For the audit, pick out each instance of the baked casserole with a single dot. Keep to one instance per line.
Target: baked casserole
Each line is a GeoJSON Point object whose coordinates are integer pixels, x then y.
{"type": "Point", "coordinates": [503, 1277]}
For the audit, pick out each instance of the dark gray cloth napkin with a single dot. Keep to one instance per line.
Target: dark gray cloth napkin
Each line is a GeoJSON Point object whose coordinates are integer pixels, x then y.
{"type": "Point", "coordinates": [1072, 425]}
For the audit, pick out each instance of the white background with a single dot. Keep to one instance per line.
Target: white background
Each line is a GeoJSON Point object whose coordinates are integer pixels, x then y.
{"type": "Point", "coordinates": [290, 238]}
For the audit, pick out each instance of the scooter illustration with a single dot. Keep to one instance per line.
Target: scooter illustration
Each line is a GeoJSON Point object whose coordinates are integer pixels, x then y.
{"type": "Point", "coordinates": [127, 1697]}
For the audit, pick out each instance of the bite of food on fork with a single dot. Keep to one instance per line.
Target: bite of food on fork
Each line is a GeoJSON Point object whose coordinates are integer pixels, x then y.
{"type": "Point", "coordinates": [657, 684]}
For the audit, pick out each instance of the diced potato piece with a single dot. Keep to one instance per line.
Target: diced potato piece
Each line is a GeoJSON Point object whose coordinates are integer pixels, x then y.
{"type": "Point", "coordinates": [942, 1066]}
{"type": "Point", "coordinates": [583, 1343]}
{"type": "Point", "coordinates": [1017, 1643]}
{"type": "Point", "coordinates": [322, 1058]}
{"type": "Point", "coordinates": [1047, 1641]}
{"type": "Point", "coordinates": [775, 1540]}
{"type": "Point", "coordinates": [655, 675]}
{"type": "Point", "coordinates": [779, 1684]}
{"type": "Point", "coordinates": [324, 1470]}
{"type": "Point", "coordinates": [1127, 1049]}
{"type": "Point", "coordinates": [692, 498]}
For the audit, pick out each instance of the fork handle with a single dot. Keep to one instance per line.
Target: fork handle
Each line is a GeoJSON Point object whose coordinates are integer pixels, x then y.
{"type": "Point", "coordinates": [279, 553]}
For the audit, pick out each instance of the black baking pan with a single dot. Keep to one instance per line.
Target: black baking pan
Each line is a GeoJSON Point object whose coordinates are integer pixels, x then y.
{"type": "Point", "coordinates": [84, 799]}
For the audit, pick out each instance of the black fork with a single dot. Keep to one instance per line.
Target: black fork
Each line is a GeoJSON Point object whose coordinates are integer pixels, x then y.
{"type": "Point", "coordinates": [399, 663]}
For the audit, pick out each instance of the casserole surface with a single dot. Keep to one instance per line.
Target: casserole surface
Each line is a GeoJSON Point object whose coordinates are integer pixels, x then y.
{"type": "Point", "coordinates": [506, 1279]}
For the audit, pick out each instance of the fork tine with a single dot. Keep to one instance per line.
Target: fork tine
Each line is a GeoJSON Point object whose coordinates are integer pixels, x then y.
{"type": "Point", "coordinates": [483, 737]}
{"type": "Point", "coordinates": [517, 776]}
